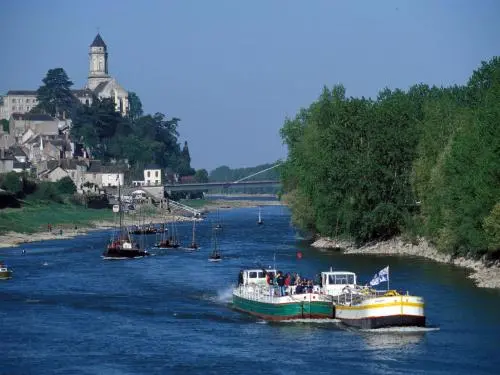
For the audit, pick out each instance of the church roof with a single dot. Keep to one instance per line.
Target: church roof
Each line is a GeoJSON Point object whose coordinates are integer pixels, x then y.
{"type": "Point", "coordinates": [98, 42]}
{"type": "Point", "coordinates": [100, 87]}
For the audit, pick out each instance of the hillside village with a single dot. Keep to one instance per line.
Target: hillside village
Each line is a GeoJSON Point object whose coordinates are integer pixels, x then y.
{"type": "Point", "coordinates": [41, 145]}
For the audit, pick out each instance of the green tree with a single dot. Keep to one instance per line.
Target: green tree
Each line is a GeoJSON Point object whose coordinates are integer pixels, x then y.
{"type": "Point", "coordinates": [66, 186]}
{"type": "Point", "coordinates": [54, 96]}
{"type": "Point", "coordinates": [13, 182]}
{"type": "Point", "coordinates": [201, 175]}
{"type": "Point", "coordinates": [135, 106]}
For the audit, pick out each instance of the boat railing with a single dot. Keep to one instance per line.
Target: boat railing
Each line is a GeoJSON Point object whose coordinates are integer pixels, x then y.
{"type": "Point", "coordinates": [353, 297]}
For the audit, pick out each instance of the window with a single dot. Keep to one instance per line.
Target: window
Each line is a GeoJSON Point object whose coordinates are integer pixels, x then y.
{"type": "Point", "coordinates": [13, 107]}
{"type": "Point", "coordinates": [28, 108]}
{"type": "Point", "coordinates": [13, 100]}
{"type": "Point", "coordinates": [260, 275]}
{"type": "Point", "coordinates": [27, 100]}
{"type": "Point", "coordinates": [252, 275]}
{"type": "Point", "coordinates": [156, 173]}
{"type": "Point", "coordinates": [149, 174]}
{"type": "Point", "coordinates": [157, 182]}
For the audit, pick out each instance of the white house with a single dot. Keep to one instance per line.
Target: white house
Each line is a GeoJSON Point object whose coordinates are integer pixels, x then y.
{"type": "Point", "coordinates": [112, 179]}
{"type": "Point", "coordinates": [152, 175]}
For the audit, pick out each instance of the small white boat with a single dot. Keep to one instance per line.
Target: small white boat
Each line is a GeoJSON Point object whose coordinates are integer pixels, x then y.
{"type": "Point", "coordinates": [5, 272]}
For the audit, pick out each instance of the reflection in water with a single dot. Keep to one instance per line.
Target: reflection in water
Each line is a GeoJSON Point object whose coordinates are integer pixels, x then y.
{"type": "Point", "coordinates": [391, 340]}
{"type": "Point", "coordinates": [394, 337]}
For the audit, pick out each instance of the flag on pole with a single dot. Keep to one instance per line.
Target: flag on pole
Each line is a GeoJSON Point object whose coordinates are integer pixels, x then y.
{"type": "Point", "coordinates": [380, 277]}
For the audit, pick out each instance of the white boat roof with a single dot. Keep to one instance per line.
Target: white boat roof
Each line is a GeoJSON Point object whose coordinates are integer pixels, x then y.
{"type": "Point", "coordinates": [259, 270]}
{"type": "Point", "coordinates": [339, 273]}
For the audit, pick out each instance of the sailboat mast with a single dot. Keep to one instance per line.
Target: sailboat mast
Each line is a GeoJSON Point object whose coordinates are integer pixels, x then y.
{"type": "Point", "coordinates": [194, 221]}
{"type": "Point", "coordinates": [120, 210]}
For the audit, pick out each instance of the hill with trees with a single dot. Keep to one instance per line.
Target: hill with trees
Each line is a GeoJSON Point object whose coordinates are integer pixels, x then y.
{"type": "Point", "coordinates": [139, 138]}
{"type": "Point", "coordinates": [420, 162]}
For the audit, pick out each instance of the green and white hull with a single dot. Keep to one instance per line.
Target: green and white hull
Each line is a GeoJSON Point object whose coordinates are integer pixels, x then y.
{"type": "Point", "coordinates": [264, 304]}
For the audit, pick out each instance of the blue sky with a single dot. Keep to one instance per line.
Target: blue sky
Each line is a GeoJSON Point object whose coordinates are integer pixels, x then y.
{"type": "Point", "coordinates": [233, 70]}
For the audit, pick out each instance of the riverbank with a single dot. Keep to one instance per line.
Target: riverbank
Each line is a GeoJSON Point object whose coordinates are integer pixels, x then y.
{"type": "Point", "coordinates": [485, 274]}
{"type": "Point", "coordinates": [66, 229]}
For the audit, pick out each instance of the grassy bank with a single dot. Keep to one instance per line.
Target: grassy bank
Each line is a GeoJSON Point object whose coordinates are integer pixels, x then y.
{"type": "Point", "coordinates": [35, 217]}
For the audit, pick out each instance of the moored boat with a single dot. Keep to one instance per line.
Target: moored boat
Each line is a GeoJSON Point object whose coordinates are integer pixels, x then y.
{"type": "Point", "coordinates": [123, 246]}
{"type": "Point", "coordinates": [367, 308]}
{"type": "Point", "coordinates": [254, 296]}
{"type": "Point", "coordinates": [5, 272]}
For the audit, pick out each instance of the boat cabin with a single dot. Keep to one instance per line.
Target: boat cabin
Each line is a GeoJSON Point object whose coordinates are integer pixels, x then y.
{"type": "Point", "coordinates": [333, 282]}
{"type": "Point", "coordinates": [256, 276]}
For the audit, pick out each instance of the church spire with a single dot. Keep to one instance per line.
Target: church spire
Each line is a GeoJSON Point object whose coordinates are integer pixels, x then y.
{"type": "Point", "coordinates": [98, 42]}
{"type": "Point", "coordinates": [98, 63]}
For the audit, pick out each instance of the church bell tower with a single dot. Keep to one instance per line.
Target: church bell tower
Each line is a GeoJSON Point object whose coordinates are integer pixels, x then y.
{"type": "Point", "coordinates": [98, 63]}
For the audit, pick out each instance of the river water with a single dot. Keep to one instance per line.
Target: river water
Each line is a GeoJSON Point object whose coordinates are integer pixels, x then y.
{"type": "Point", "coordinates": [67, 311]}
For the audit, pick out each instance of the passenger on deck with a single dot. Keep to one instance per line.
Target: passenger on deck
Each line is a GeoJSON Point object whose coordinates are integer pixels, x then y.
{"type": "Point", "coordinates": [280, 280]}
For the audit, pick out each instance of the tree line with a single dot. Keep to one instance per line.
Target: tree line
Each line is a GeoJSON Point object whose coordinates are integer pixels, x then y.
{"type": "Point", "coordinates": [421, 162]}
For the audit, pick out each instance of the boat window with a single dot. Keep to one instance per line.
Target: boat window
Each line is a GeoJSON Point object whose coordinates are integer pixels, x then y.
{"type": "Point", "coordinates": [350, 279]}
{"type": "Point", "coordinates": [340, 279]}
{"type": "Point", "coordinates": [331, 279]}
{"type": "Point", "coordinates": [252, 275]}
{"type": "Point", "coordinates": [261, 275]}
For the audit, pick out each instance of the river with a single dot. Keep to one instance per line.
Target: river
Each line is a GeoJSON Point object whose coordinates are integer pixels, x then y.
{"type": "Point", "coordinates": [67, 311]}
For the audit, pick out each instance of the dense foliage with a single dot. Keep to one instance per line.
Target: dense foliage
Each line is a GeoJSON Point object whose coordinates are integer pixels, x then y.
{"type": "Point", "coordinates": [424, 161]}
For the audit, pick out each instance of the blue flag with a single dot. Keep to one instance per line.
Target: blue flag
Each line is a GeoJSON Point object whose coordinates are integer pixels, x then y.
{"type": "Point", "coordinates": [380, 277]}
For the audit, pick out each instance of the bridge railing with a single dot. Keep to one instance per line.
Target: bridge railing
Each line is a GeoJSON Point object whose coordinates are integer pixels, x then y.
{"type": "Point", "coordinates": [184, 207]}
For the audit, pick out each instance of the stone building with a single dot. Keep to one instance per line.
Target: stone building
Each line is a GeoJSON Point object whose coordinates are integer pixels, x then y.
{"type": "Point", "coordinates": [99, 83]}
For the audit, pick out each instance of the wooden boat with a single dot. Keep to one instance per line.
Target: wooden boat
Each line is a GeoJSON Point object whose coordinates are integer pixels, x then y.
{"type": "Point", "coordinates": [215, 255]}
{"type": "Point", "coordinates": [193, 245]}
{"type": "Point", "coordinates": [367, 308]}
{"type": "Point", "coordinates": [170, 242]}
{"type": "Point", "coordinates": [218, 224]}
{"type": "Point", "coordinates": [5, 272]}
{"type": "Point", "coordinates": [146, 229]}
{"type": "Point", "coordinates": [254, 296]}
{"type": "Point", "coordinates": [123, 246]}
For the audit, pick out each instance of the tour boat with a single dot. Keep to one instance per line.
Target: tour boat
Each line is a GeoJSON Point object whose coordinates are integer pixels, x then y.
{"type": "Point", "coordinates": [254, 296]}
{"type": "Point", "coordinates": [367, 308]}
{"type": "Point", "coordinates": [5, 272]}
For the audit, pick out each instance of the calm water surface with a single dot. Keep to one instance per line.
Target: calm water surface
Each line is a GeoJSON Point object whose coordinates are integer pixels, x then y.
{"type": "Point", "coordinates": [67, 311]}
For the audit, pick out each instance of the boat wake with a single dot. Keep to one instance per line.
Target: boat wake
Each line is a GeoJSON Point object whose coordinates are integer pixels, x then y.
{"type": "Point", "coordinates": [408, 330]}
{"type": "Point", "coordinates": [225, 295]}
{"type": "Point", "coordinates": [309, 321]}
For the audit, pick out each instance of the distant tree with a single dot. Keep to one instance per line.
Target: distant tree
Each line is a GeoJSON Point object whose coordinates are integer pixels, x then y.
{"type": "Point", "coordinates": [184, 164]}
{"type": "Point", "coordinates": [201, 175]}
{"type": "Point", "coordinates": [12, 182]}
{"type": "Point", "coordinates": [135, 106]}
{"type": "Point", "coordinates": [5, 125]}
{"type": "Point", "coordinates": [66, 185]}
{"type": "Point", "coordinates": [54, 96]}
